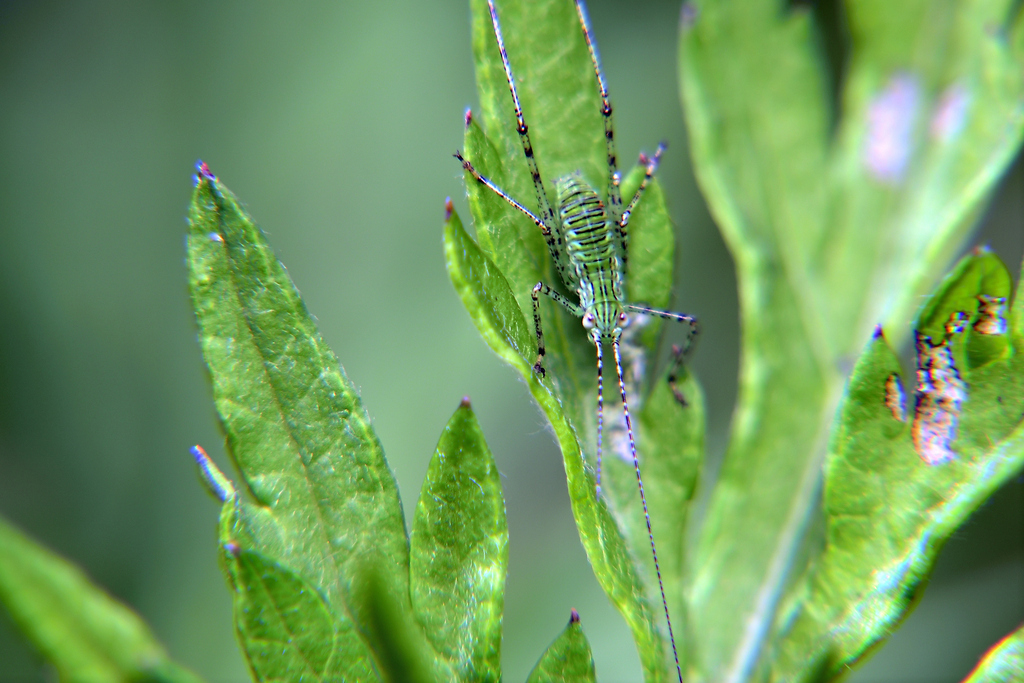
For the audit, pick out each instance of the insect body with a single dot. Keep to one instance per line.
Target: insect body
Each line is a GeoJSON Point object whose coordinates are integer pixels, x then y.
{"type": "Point", "coordinates": [587, 239]}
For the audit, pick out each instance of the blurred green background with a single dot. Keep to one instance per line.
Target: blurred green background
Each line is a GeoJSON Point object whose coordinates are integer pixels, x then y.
{"type": "Point", "coordinates": [335, 123]}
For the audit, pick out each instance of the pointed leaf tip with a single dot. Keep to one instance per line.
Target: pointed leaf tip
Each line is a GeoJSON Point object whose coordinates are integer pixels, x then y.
{"type": "Point", "coordinates": [293, 419]}
{"type": "Point", "coordinates": [448, 209]}
{"type": "Point", "coordinates": [459, 551]}
{"type": "Point", "coordinates": [469, 116]}
{"type": "Point", "coordinates": [878, 334]}
{"type": "Point", "coordinates": [574, 616]}
{"type": "Point", "coordinates": [204, 170]}
{"type": "Point", "coordinates": [568, 658]}
{"type": "Point", "coordinates": [464, 403]}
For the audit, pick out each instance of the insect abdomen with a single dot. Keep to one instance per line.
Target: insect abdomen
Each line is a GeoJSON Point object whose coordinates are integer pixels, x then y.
{"type": "Point", "coordinates": [589, 239]}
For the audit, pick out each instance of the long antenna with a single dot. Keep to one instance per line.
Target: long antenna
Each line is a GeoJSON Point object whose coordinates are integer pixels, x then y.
{"type": "Point", "coordinates": [600, 409]}
{"type": "Point", "coordinates": [614, 191]}
{"type": "Point", "coordinates": [643, 498]}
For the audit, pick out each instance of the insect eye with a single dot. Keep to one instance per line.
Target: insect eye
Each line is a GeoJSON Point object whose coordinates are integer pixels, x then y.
{"type": "Point", "coordinates": [588, 321]}
{"type": "Point", "coordinates": [623, 319]}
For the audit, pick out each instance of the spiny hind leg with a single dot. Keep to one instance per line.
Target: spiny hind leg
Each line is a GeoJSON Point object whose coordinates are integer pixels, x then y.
{"type": "Point", "coordinates": [541, 288]}
{"type": "Point", "coordinates": [680, 353]}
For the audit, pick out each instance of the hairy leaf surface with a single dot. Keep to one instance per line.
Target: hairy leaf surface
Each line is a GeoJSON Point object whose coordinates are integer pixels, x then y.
{"type": "Point", "coordinates": [459, 551]}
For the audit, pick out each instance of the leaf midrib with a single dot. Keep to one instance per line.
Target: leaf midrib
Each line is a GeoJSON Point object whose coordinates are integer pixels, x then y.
{"type": "Point", "coordinates": [268, 376]}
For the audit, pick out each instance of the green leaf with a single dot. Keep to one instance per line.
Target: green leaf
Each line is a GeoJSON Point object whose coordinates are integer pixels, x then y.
{"type": "Point", "coordinates": [568, 659]}
{"type": "Point", "coordinates": [285, 626]}
{"type": "Point", "coordinates": [495, 276]}
{"type": "Point", "coordinates": [981, 273]}
{"type": "Point", "coordinates": [839, 217]}
{"type": "Point", "coordinates": [289, 632]}
{"type": "Point", "coordinates": [889, 510]}
{"type": "Point", "coordinates": [83, 632]}
{"type": "Point", "coordinates": [326, 502]}
{"type": "Point", "coordinates": [459, 551]}
{"type": "Point", "coordinates": [486, 295]}
{"type": "Point", "coordinates": [1004, 663]}
{"type": "Point", "coordinates": [403, 653]}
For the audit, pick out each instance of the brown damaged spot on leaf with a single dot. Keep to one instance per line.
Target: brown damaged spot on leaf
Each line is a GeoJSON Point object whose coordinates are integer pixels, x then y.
{"type": "Point", "coordinates": [940, 394]}
{"type": "Point", "coordinates": [991, 315]}
{"type": "Point", "coordinates": [896, 397]}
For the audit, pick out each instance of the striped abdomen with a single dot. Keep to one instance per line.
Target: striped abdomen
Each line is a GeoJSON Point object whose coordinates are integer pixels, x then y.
{"type": "Point", "coordinates": [591, 249]}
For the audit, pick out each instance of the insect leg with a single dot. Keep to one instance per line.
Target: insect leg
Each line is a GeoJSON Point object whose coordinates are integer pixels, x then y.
{"type": "Point", "coordinates": [673, 374]}
{"type": "Point", "coordinates": [614, 191]}
{"type": "Point", "coordinates": [679, 353]}
{"type": "Point", "coordinates": [483, 180]}
{"type": "Point", "coordinates": [546, 213]}
{"type": "Point", "coordinates": [541, 288]}
{"type": "Point", "coordinates": [652, 166]}
{"type": "Point", "coordinates": [643, 499]}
